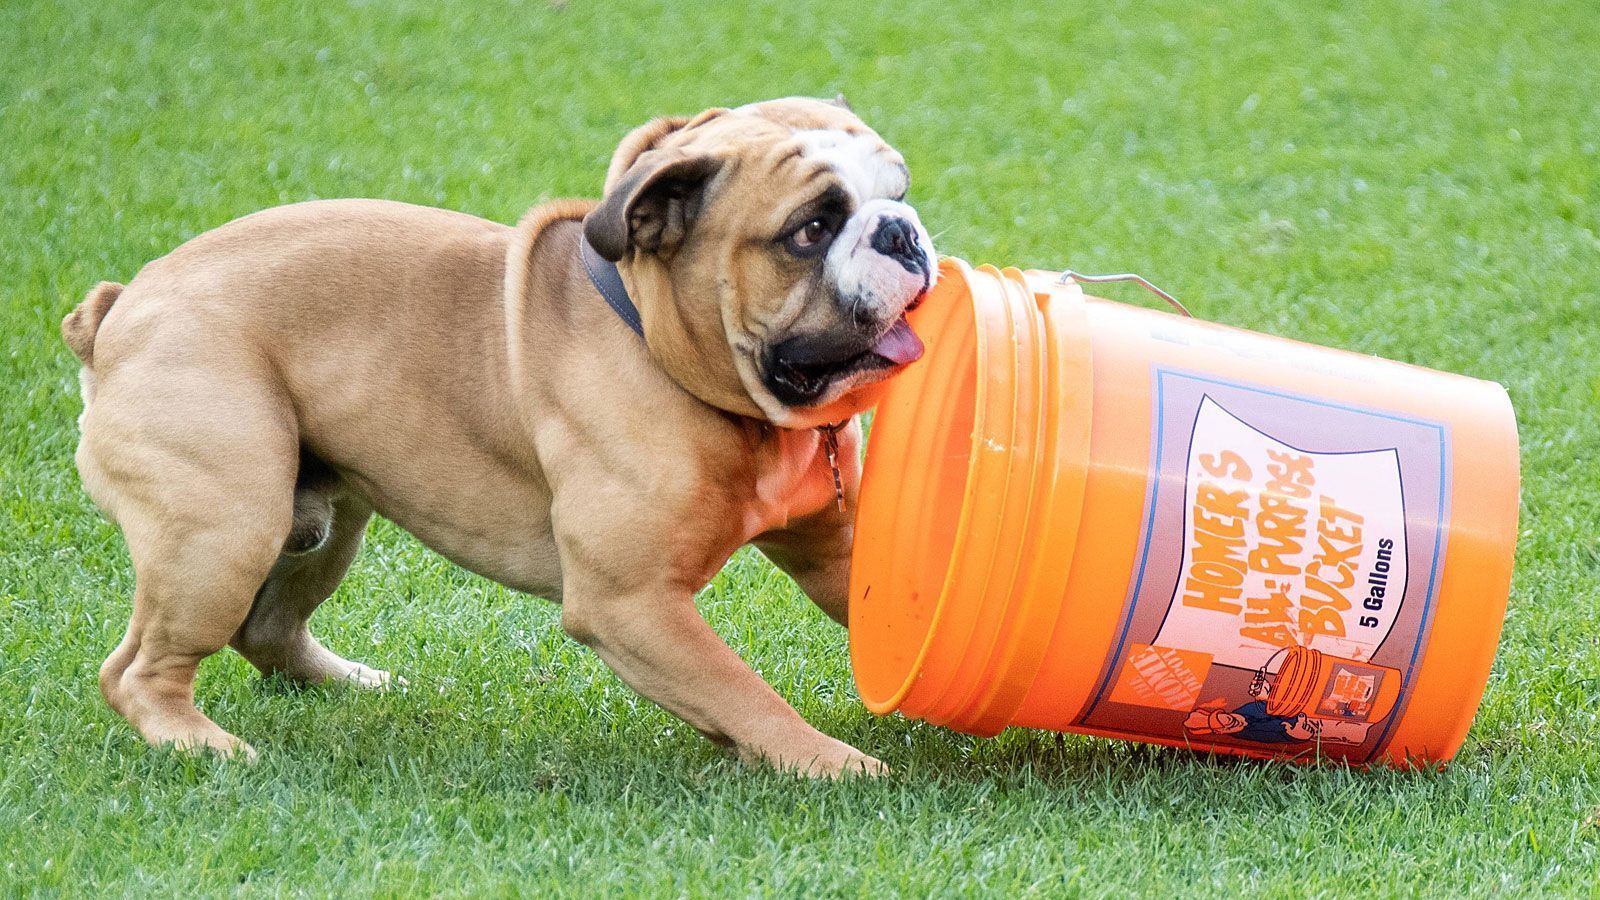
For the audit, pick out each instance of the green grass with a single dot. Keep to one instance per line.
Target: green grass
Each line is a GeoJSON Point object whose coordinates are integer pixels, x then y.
{"type": "Point", "coordinates": [1417, 180]}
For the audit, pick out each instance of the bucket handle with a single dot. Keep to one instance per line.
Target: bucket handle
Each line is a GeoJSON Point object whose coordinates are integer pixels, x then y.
{"type": "Point", "coordinates": [1079, 277]}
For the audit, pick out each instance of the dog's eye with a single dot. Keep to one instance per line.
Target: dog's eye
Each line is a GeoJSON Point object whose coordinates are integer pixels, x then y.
{"type": "Point", "coordinates": [810, 237]}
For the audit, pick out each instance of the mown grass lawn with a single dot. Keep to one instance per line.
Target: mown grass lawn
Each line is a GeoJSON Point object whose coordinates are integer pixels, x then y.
{"type": "Point", "coordinates": [1414, 180]}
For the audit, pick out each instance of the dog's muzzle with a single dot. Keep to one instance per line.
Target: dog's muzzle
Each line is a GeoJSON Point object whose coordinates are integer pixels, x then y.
{"type": "Point", "coordinates": [801, 369]}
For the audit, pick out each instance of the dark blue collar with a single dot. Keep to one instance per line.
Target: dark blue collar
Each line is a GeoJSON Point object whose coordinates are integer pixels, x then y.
{"type": "Point", "coordinates": [607, 280]}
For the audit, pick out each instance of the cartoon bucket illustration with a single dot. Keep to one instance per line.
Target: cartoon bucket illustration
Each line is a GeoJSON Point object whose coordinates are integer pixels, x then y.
{"type": "Point", "coordinates": [1319, 684]}
{"type": "Point", "coordinates": [1093, 517]}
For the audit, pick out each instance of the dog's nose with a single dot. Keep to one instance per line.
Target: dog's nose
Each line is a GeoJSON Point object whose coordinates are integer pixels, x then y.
{"type": "Point", "coordinates": [896, 238]}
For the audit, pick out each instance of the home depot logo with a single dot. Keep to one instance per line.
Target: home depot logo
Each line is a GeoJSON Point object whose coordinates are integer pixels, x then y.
{"type": "Point", "coordinates": [1162, 677]}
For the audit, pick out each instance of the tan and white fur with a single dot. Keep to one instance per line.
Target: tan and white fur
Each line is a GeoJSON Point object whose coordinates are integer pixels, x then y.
{"type": "Point", "coordinates": [255, 396]}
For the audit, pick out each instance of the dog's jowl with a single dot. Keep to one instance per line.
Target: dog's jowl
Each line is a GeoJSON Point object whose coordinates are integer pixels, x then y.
{"type": "Point", "coordinates": [256, 395]}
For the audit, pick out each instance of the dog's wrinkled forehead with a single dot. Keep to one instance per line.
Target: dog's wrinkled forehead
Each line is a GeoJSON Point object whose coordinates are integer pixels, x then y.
{"type": "Point", "coordinates": [829, 133]}
{"type": "Point", "coordinates": [869, 167]}
{"type": "Point", "coordinates": [825, 134]}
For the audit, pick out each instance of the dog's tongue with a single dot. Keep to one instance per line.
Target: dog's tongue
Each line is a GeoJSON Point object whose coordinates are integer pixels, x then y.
{"type": "Point", "coordinates": [899, 345]}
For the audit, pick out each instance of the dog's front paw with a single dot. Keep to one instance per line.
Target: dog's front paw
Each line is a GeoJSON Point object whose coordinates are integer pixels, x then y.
{"type": "Point", "coordinates": [855, 764]}
{"type": "Point", "coordinates": [372, 679]}
{"type": "Point", "coordinates": [820, 757]}
{"type": "Point", "coordinates": [203, 741]}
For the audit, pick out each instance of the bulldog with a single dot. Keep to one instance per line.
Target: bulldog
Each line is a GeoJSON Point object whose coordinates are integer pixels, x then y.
{"type": "Point", "coordinates": [252, 398]}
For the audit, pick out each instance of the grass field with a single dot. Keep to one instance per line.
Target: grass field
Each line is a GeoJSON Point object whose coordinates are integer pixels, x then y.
{"type": "Point", "coordinates": [1417, 180]}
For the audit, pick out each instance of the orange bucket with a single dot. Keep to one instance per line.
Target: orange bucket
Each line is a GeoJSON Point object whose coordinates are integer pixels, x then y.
{"type": "Point", "coordinates": [1086, 516]}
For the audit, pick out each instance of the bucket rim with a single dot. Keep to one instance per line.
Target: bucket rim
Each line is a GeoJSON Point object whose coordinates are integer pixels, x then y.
{"type": "Point", "coordinates": [949, 267]}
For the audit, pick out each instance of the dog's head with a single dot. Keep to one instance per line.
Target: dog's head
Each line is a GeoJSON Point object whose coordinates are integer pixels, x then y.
{"type": "Point", "coordinates": [772, 256]}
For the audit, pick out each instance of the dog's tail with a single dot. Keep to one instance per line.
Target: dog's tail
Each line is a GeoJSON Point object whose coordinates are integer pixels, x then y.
{"type": "Point", "coordinates": [80, 325]}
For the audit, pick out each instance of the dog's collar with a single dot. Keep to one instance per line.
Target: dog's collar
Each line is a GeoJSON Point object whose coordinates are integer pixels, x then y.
{"type": "Point", "coordinates": [607, 280]}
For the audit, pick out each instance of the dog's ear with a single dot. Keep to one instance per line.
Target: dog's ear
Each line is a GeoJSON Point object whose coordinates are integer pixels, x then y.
{"type": "Point", "coordinates": [646, 138]}
{"type": "Point", "coordinates": [840, 101]}
{"type": "Point", "coordinates": [637, 143]}
{"type": "Point", "coordinates": [652, 205]}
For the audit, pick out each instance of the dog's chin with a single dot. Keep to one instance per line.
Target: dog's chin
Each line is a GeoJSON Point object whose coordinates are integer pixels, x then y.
{"type": "Point", "coordinates": [846, 400]}
{"type": "Point", "coordinates": [812, 393]}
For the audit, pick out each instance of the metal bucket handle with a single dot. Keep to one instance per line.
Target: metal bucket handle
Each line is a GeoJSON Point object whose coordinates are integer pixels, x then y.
{"type": "Point", "coordinates": [1079, 277]}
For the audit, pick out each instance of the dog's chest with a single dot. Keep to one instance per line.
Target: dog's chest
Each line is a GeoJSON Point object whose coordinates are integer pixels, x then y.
{"type": "Point", "coordinates": [792, 480]}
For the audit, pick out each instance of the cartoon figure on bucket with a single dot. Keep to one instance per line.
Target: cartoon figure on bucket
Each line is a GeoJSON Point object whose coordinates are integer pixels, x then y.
{"type": "Point", "coordinates": [1276, 716]}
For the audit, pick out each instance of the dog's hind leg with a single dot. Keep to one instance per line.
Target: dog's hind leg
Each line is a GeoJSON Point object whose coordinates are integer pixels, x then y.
{"type": "Point", "coordinates": [203, 487]}
{"type": "Point", "coordinates": [329, 525]}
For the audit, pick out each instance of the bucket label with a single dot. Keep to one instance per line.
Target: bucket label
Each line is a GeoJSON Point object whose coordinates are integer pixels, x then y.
{"type": "Point", "coordinates": [1275, 539]}
{"type": "Point", "coordinates": [1286, 575]}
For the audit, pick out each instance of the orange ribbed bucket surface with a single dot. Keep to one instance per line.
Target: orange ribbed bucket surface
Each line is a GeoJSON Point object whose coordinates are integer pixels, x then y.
{"type": "Point", "coordinates": [1084, 516]}
{"type": "Point", "coordinates": [987, 464]}
{"type": "Point", "coordinates": [915, 518]}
